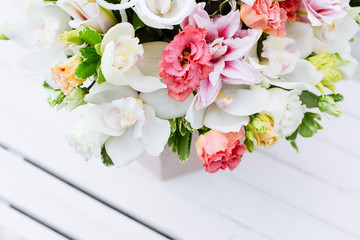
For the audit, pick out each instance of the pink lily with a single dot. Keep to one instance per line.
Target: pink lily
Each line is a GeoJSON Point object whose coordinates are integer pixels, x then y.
{"type": "Point", "coordinates": [229, 44]}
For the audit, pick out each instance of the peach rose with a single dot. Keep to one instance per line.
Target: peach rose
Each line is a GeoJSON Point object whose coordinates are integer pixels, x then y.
{"type": "Point", "coordinates": [63, 75]}
{"type": "Point", "coordinates": [220, 150]}
{"type": "Point", "coordinates": [266, 15]}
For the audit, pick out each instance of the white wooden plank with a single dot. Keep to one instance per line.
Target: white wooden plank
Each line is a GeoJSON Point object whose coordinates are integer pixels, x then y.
{"type": "Point", "coordinates": [350, 89]}
{"type": "Point", "coordinates": [22, 227]}
{"type": "Point", "coordinates": [240, 213]}
{"type": "Point", "coordinates": [340, 169]}
{"type": "Point", "coordinates": [61, 206]}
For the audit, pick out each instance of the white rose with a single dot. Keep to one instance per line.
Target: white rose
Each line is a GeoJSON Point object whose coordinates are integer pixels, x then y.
{"type": "Point", "coordinates": [286, 110]}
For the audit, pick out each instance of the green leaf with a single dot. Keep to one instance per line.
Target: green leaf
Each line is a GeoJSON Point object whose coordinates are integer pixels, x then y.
{"type": "Point", "coordinates": [309, 126]}
{"type": "Point", "coordinates": [309, 99]}
{"type": "Point", "coordinates": [105, 157]}
{"type": "Point", "coordinates": [136, 22]}
{"type": "Point", "coordinates": [183, 147]}
{"type": "Point", "coordinates": [173, 125]}
{"type": "Point", "coordinates": [188, 126]}
{"type": "Point", "coordinates": [98, 49]}
{"type": "Point", "coordinates": [100, 77]}
{"type": "Point", "coordinates": [172, 142]}
{"type": "Point", "coordinates": [337, 97]}
{"type": "Point", "coordinates": [85, 70]}
{"type": "Point", "coordinates": [90, 36]}
{"type": "Point", "coordinates": [203, 130]}
{"type": "Point", "coordinates": [89, 55]}
{"type": "Point", "coordinates": [47, 86]}
{"type": "Point", "coordinates": [329, 106]}
{"type": "Point", "coordinates": [182, 129]}
{"type": "Point", "coordinates": [294, 145]}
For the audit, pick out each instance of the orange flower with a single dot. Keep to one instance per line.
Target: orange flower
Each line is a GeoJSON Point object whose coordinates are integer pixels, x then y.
{"type": "Point", "coordinates": [63, 75]}
{"type": "Point", "coordinates": [266, 15]}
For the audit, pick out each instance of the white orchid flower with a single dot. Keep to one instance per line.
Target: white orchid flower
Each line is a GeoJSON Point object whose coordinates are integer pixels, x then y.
{"type": "Point", "coordinates": [88, 14]}
{"type": "Point", "coordinates": [231, 110]}
{"type": "Point", "coordinates": [156, 13]}
{"type": "Point", "coordinates": [128, 123]}
{"type": "Point", "coordinates": [281, 55]}
{"type": "Point", "coordinates": [120, 54]}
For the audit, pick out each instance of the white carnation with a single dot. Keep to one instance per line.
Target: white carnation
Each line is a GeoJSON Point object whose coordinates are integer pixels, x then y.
{"type": "Point", "coordinates": [286, 109]}
{"type": "Point", "coordinates": [87, 142]}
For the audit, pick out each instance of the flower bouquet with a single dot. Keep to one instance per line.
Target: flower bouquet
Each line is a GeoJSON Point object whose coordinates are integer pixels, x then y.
{"type": "Point", "coordinates": [241, 74]}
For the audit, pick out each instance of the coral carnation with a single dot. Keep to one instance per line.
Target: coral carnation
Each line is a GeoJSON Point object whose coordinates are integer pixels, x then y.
{"type": "Point", "coordinates": [185, 62]}
{"type": "Point", "coordinates": [220, 150]}
{"type": "Point", "coordinates": [290, 7]}
{"type": "Point", "coordinates": [266, 15]}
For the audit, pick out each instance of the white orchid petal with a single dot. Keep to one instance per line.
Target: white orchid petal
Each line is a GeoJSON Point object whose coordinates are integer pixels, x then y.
{"type": "Point", "coordinates": [124, 149]}
{"type": "Point", "coordinates": [193, 116]}
{"type": "Point", "coordinates": [94, 119]}
{"type": "Point", "coordinates": [155, 133]}
{"type": "Point", "coordinates": [246, 102]}
{"type": "Point", "coordinates": [304, 77]}
{"type": "Point", "coordinates": [149, 63]}
{"type": "Point", "coordinates": [107, 92]}
{"type": "Point", "coordinates": [142, 83]}
{"type": "Point", "coordinates": [121, 29]}
{"type": "Point", "coordinates": [119, 6]}
{"type": "Point", "coordinates": [303, 35]}
{"type": "Point", "coordinates": [112, 74]}
{"type": "Point", "coordinates": [215, 118]}
{"type": "Point", "coordinates": [164, 106]}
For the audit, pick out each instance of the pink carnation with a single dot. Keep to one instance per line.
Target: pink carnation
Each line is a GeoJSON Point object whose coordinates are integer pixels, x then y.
{"type": "Point", "coordinates": [323, 10]}
{"type": "Point", "coordinates": [290, 6]}
{"type": "Point", "coordinates": [185, 62]}
{"type": "Point", "coordinates": [266, 15]}
{"type": "Point", "coordinates": [218, 150]}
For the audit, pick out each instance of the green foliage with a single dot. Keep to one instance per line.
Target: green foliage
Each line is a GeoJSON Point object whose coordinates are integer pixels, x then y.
{"type": "Point", "coordinates": [327, 103]}
{"type": "Point", "coordinates": [136, 22]}
{"type": "Point", "coordinates": [180, 138]}
{"type": "Point", "coordinates": [308, 128]}
{"type": "Point", "coordinates": [90, 60]}
{"type": "Point", "coordinates": [90, 36]}
{"type": "Point", "coordinates": [105, 157]}
{"type": "Point", "coordinates": [100, 77]}
{"type": "Point", "coordinates": [309, 125]}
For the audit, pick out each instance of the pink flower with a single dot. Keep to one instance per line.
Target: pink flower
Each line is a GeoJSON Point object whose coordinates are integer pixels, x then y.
{"type": "Point", "coordinates": [290, 6]}
{"type": "Point", "coordinates": [266, 15]}
{"type": "Point", "coordinates": [323, 10]}
{"type": "Point", "coordinates": [185, 62]}
{"type": "Point", "coordinates": [220, 150]}
{"type": "Point", "coordinates": [229, 44]}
